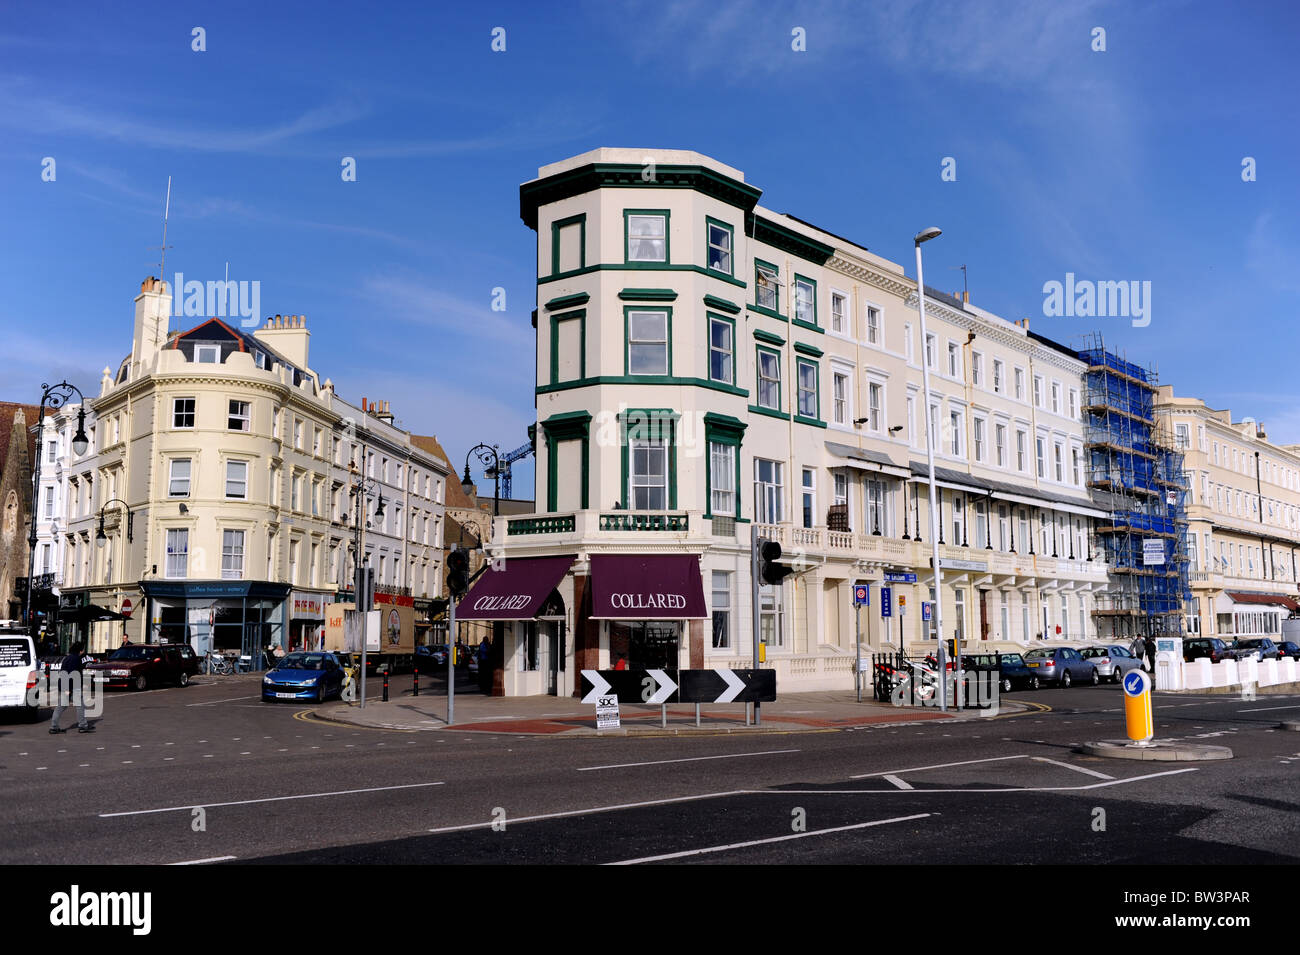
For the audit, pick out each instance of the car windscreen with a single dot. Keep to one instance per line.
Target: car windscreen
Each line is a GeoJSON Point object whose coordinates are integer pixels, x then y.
{"type": "Point", "coordinates": [130, 653]}
{"type": "Point", "coordinates": [303, 661]}
{"type": "Point", "coordinates": [15, 652]}
{"type": "Point", "coordinates": [1040, 655]}
{"type": "Point", "coordinates": [1013, 658]}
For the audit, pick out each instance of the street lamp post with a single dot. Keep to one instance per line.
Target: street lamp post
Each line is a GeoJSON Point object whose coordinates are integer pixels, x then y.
{"type": "Point", "coordinates": [56, 396]}
{"type": "Point", "coordinates": [925, 235]}
{"type": "Point", "coordinates": [101, 539]}
{"type": "Point", "coordinates": [360, 487]}
{"type": "Point", "coordinates": [467, 483]}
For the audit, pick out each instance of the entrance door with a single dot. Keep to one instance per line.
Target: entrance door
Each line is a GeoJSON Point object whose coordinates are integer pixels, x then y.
{"type": "Point", "coordinates": [555, 655]}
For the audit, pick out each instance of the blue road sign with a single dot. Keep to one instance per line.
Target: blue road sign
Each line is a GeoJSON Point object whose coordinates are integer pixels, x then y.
{"type": "Point", "coordinates": [925, 610]}
{"type": "Point", "coordinates": [896, 577]}
{"type": "Point", "coordinates": [861, 595]}
{"type": "Point", "coordinates": [1136, 682]}
{"type": "Point", "coordinates": [886, 602]}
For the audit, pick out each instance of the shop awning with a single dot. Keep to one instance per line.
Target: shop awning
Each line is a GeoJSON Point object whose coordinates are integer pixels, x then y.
{"type": "Point", "coordinates": [1274, 600]}
{"type": "Point", "coordinates": [647, 587]}
{"type": "Point", "coordinates": [516, 591]}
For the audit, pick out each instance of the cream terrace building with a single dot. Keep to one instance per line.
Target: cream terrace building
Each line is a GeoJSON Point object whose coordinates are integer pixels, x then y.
{"type": "Point", "coordinates": [226, 448]}
{"type": "Point", "coordinates": [1243, 520]}
{"type": "Point", "coordinates": [705, 366]}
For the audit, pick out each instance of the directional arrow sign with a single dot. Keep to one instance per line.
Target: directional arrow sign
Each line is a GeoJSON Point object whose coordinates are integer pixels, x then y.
{"type": "Point", "coordinates": [665, 690]}
{"type": "Point", "coordinates": [727, 686]}
{"type": "Point", "coordinates": [599, 685]}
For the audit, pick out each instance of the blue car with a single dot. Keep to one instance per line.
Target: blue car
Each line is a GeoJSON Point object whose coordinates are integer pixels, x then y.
{"type": "Point", "coordinates": [304, 676]}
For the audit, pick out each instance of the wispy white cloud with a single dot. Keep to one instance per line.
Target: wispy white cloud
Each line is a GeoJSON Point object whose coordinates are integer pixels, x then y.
{"type": "Point", "coordinates": [1273, 255]}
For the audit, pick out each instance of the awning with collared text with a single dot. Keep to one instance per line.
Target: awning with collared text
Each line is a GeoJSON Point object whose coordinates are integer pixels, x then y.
{"type": "Point", "coordinates": [647, 587]}
{"type": "Point", "coordinates": [516, 591]}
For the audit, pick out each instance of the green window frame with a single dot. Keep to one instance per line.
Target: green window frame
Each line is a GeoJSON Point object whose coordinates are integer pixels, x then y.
{"type": "Point", "coordinates": [627, 238]}
{"type": "Point", "coordinates": [812, 298]}
{"type": "Point", "coordinates": [722, 430]}
{"type": "Point", "coordinates": [579, 316]}
{"type": "Point", "coordinates": [581, 220]}
{"type": "Point", "coordinates": [652, 425]}
{"type": "Point", "coordinates": [628, 312]}
{"type": "Point", "coordinates": [773, 309]}
{"type": "Point", "coordinates": [569, 426]}
{"type": "Point", "coordinates": [774, 382]}
{"type": "Point", "coordinates": [730, 324]}
{"type": "Point", "coordinates": [802, 364]}
{"type": "Point", "coordinates": [710, 224]}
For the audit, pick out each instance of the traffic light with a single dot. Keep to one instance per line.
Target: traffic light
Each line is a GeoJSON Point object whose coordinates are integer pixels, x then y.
{"type": "Point", "coordinates": [367, 589]}
{"type": "Point", "coordinates": [458, 572]}
{"type": "Point", "coordinates": [771, 571]}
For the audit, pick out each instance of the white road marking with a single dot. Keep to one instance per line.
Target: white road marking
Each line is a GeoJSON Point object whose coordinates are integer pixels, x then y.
{"type": "Point", "coordinates": [1265, 709]}
{"type": "Point", "coordinates": [594, 809]}
{"type": "Point", "coordinates": [897, 782]}
{"type": "Point", "coordinates": [692, 759]}
{"type": "Point", "coordinates": [1077, 769]}
{"type": "Point", "coordinates": [249, 802]}
{"type": "Point", "coordinates": [761, 842]}
{"type": "Point", "coordinates": [917, 769]}
{"type": "Point", "coordinates": [230, 700]}
{"type": "Point", "coordinates": [205, 861]}
{"type": "Point", "coordinates": [927, 792]}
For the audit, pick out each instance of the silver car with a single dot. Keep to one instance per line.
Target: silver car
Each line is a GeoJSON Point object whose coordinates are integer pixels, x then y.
{"type": "Point", "coordinates": [1112, 660]}
{"type": "Point", "coordinates": [1061, 665]}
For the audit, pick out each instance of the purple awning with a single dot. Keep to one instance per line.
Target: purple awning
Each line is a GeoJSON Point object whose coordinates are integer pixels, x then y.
{"type": "Point", "coordinates": [516, 591]}
{"type": "Point", "coordinates": [647, 587]}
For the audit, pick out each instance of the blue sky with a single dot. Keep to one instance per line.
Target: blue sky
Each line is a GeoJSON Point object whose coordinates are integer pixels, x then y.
{"type": "Point", "coordinates": [1116, 165]}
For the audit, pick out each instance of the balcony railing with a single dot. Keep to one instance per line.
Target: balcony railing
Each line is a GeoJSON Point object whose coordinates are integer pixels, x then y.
{"type": "Point", "coordinates": [644, 521]}
{"type": "Point", "coordinates": [561, 524]}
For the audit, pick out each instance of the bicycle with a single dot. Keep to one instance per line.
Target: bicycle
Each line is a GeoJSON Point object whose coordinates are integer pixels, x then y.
{"type": "Point", "coordinates": [218, 665]}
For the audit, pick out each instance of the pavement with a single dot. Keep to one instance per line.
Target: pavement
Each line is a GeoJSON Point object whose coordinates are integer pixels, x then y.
{"type": "Point", "coordinates": [555, 716]}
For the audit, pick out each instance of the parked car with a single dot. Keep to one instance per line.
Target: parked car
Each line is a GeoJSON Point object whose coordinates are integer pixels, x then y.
{"type": "Point", "coordinates": [305, 675]}
{"type": "Point", "coordinates": [1010, 668]}
{"type": "Point", "coordinates": [1261, 647]}
{"type": "Point", "coordinates": [431, 656]}
{"type": "Point", "coordinates": [1112, 660]}
{"type": "Point", "coordinates": [1288, 649]}
{"type": "Point", "coordinates": [18, 673]}
{"type": "Point", "coordinates": [142, 665]}
{"type": "Point", "coordinates": [1063, 665]}
{"type": "Point", "coordinates": [1211, 647]}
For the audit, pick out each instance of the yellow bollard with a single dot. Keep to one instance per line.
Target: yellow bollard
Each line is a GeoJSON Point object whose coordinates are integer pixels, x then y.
{"type": "Point", "coordinates": [1137, 706]}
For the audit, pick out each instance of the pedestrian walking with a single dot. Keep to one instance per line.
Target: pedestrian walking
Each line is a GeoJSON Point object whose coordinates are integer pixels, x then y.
{"type": "Point", "coordinates": [1138, 647]}
{"type": "Point", "coordinates": [1151, 654]}
{"type": "Point", "coordinates": [71, 674]}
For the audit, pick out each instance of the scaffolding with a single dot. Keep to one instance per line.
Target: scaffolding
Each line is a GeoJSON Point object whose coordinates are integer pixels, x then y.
{"type": "Point", "coordinates": [1135, 471]}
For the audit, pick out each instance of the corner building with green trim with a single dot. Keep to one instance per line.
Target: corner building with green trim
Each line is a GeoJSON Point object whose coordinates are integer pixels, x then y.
{"type": "Point", "coordinates": [705, 365]}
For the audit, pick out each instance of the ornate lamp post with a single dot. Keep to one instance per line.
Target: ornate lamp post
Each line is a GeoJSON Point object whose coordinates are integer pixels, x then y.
{"type": "Point", "coordinates": [483, 453]}
{"type": "Point", "coordinates": [55, 396]}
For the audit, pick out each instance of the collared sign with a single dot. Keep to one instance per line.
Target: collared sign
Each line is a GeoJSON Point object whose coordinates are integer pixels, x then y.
{"type": "Point", "coordinates": [647, 587]}
{"type": "Point", "coordinates": [516, 591]}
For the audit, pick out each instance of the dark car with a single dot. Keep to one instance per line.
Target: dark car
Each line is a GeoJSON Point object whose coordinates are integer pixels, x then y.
{"type": "Point", "coordinates": [1261, 647]}
{"type": "Point", "coordinates": [1211, 647]}
{"type": "Point", "coordinates": [304, 675]}
{"type": "Point", "coordinates": [139, 666]}
{"type": "Point", "coordinates": [1288, 649]}
{"type": "Point", "coordinates": [1063, 665]}
{"type": "Point", "coordinates": [427, 658]}
{"type": "Point", "coordinates": [1010, 668]}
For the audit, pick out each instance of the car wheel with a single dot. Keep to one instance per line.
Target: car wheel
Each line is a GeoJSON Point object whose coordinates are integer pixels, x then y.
{"type": "Point", "coordinates": [1096, 677]}
{"type": "Point", "coordinates": [141, 683]}
{"type": "Point", "coordinates": [1117, 676]}
{"type": "Point", "coordinates": [1033, 683]}
{"type": "Point", "coordinates": [184, 678]}
{"type": "Point", "coordinates": [1065, 680]}
{"type": "Point", "coordinates": [1006, 684]}
{"type": "Point", "coordinates": [320, 693]}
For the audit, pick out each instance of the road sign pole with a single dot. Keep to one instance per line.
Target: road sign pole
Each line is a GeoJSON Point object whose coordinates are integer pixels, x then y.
{"type": "Point", "coordinates": [451, 659]}
{"type": "Point", "coordinates": [857, 643]}
{"type": "Point", "coordinates": [753, 573]}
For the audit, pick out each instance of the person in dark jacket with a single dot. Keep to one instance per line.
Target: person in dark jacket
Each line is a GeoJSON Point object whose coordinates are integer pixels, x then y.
{"type": "Point", "coordinates": [71, 675]}
{"type": "Point", "coordinates": [1151, 654]}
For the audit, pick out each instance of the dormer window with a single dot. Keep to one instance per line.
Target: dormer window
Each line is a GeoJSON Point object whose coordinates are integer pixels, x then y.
{"type": "Point", "coordinates": [207, 354]}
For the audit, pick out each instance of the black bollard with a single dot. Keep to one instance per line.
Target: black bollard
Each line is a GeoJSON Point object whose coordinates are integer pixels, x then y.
{"type": "Point", "coordinates": [385, 684]}
{"type": "Point", "coordinates": [417, 679]}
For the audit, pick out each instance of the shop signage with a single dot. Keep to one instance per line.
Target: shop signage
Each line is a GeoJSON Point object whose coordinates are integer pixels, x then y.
{"type": "Point", "coordinates": [950, 564]}
{"type": "Point", "coordinates": [607, 713]}
{"type": "Point", "coordinates": [307, 606]}
{"type": "Point", "coordinates": [502, 602]}
{"type": "Point", "coordinates": [657, 601]}
{"type": "Point", "coordinates": [896, 577]}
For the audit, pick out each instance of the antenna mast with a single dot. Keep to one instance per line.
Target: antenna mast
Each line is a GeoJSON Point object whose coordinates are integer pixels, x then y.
{"type": "Point", "coordinates": [162, 262]}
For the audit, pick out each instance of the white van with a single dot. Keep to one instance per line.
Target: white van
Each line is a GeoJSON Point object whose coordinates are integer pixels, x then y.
{"type": "Point", "coordinates": [17, 672]}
